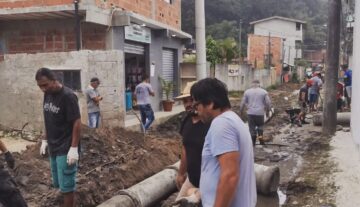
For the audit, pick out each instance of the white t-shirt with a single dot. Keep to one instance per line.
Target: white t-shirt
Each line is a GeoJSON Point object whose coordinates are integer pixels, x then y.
{"type": "Point", "coordinates": [228, 133]}
{"type": "Point", "coordinates": [142, 92]}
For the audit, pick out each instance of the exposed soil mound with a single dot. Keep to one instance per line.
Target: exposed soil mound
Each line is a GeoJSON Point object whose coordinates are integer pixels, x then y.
{"type": "Point", "coordinates": [111, 160]}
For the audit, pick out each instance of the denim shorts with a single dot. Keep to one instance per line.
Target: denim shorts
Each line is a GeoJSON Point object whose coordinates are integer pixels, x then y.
{"type": "Point", "coordinates": [63, 175]}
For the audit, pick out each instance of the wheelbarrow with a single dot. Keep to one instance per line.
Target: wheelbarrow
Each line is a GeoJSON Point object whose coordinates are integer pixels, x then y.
{"type": "Point", "coordinates": [293, 114]}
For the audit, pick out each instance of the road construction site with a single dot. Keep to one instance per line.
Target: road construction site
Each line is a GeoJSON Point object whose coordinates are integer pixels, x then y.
{"type": "Point", "coordinates": [116, 159]}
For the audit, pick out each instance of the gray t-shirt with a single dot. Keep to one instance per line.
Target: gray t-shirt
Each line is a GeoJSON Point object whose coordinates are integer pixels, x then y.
{"type": "Point", "coordinates": [91, 93]}
{"type": "Point", "coordinates": [142, 92]}
{"type": "Point", "coordinates": [228, 133]}
{"type": "Point", "coordinates": [317, 83]}
{"type": "Point", "coordinates": [256, 100]}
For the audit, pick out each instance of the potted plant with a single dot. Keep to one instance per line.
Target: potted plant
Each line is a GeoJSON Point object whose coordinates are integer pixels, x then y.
{"type": "Point", "coordinates": [167, 88]}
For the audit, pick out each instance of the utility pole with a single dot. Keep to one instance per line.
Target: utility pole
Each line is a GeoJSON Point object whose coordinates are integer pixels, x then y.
{"type": "Point", "coordinates": [200, 39]}
{"type": "Point", "coordinates": [269, 52]}
{"type": "Point", "coordinates": [331, 75]}
{"type": "Point", "coordinates": [240, 30]}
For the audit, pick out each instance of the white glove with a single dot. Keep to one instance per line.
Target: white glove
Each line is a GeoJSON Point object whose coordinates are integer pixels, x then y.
{"type": "Point", "coordinates": [72, 156]}
{"type": "Point", "coordinates": [43, 147]}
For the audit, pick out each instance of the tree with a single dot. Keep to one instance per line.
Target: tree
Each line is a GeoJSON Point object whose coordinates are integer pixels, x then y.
{"type": "Point", "coordinates": [212, 51]}
{"type": "Point", "coordinates": [228, 49]}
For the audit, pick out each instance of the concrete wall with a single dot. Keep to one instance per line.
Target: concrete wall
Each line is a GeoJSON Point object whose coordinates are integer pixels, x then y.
{"type": "Point", "coordinates": [246, 75]}
{"type": "Point", "coordinates": [283, 29]}
{"type": "Point", "coordinates": [21, 99]}
{"type": "Point", "coordinates": [355, 102]}
{"type": "Point", "coordinates": [46, 36]}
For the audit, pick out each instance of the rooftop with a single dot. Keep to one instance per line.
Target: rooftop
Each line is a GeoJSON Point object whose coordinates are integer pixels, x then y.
{"type": "Point", "coordinates": [277, 17]}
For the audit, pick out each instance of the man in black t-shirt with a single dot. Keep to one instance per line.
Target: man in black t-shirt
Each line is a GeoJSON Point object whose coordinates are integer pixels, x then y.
{"type": "Point", "coordinates": [303, 101]}
{"type": "Point", "coordinates": [62, 132]}
{"type": "Point", "coordinates": [193, 132]}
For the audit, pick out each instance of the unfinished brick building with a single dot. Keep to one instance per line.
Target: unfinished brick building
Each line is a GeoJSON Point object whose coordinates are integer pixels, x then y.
{"type": "Point", "coordinates": [147, 34]}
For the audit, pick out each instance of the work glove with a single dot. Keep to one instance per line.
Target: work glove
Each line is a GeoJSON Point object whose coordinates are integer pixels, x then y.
{"type": "Point", "coordinates": [72, 156]}
{"type": "Point", "coordinates": [43, 147]}
{"type": "Point", "coordinates": [9, 160]}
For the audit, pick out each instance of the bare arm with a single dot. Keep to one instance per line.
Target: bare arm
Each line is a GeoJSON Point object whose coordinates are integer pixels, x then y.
{"type": "Point", "coordinates": [244, 102]}
{"type": "Point", "coordinates": [76, 133]}
{"type": "Point", "coordinates": [229, 177]}
{"type": "Point", "coordinates": [267, 102]}
{"type": "Point", "coordinates": [3, 147]}
{"type": "Point", "coordinates": [180, 179]}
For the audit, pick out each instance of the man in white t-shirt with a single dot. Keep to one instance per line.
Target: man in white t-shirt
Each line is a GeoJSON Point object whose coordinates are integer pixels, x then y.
{"type": "Point", "coordinates": [143, 91]}
{"type": "Point", "coordinates": [227, 165]}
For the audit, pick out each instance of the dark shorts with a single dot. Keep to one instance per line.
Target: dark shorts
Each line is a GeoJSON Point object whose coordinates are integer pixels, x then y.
{"type": "Point", "coordinates": [63, 175]}
{"type": "Point", "coordinates": [313, 98]}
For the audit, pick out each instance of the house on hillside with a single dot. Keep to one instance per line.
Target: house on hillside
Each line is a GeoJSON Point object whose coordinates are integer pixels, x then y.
{"type": "Point", "coordinates": [289, 30]}
{"type": "Point", "coordinates": [117, 41]}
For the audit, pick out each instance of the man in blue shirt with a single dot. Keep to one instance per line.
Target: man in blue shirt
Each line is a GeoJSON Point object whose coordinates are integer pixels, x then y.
{"type": "Point", "coordinates": [348, 83]}
{"type": "Point", "coordinates": [227, 165]}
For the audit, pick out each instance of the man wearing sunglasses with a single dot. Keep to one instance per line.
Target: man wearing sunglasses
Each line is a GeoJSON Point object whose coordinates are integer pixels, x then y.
{"type": "Point", "coordinates": [227, 165]}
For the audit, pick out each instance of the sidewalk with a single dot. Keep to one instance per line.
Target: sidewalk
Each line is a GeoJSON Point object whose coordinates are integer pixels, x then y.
{"type": "Point", "coordinates": [133, 123]}
{"type": "Point", "coordinates": [346, 155]}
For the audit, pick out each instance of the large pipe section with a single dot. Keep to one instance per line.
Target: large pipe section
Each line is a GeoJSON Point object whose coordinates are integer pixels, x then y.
{"type": "Point", "coordinates": [341, 119]}
{"type": "Point", "coordinates": [155, 188]}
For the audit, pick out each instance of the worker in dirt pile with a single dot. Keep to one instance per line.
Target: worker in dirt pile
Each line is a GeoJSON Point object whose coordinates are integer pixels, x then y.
{"type": "Point", "coordinates": [193, 132]}
{"type": "Point", "coordinates": [10, 195]}
{"type": "Point", "coordinates": [227, 165]}
{"type": "Point", "coordinates": [314, 91]}
{"type": "Point", "coordinates": [258, 104]}
{"type": "Point", "coordinates": [62, 132]}
{"type": "Point", "coordinates": [93, 99]}
{"type": "Point", "coordinates": [143, 91]}
{"type": "Point", "coordinates": [303, 101]}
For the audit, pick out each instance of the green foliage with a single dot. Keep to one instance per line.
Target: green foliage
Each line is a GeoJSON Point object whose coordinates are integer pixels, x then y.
{"type": "Point", "coordinates": [295, 77]}
{"type": "Point", "coordinates": [212, 51]}
{"type": "Point", "coordinates": [228, 49]}
{"type": "Point", "coordinates": [167, 87]}
{"type": "Point", "coordinates": [189, 58]}
{"type": "Point", "coordinates": [272, 87]}
{"type": "Point", "coordinates": [302, 62]}
{"type": "Point", "coordinates": [222, 17]}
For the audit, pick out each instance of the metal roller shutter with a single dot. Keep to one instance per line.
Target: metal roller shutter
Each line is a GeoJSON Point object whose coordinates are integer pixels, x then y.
{"type": "Point", "coordinates": [168, 67]}
{"type": "Point", "coordinates": [134, 49]}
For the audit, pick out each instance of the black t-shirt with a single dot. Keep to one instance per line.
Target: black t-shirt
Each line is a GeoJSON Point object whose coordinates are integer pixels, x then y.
{"type": "Point", "coordinates": [193, 141]}
{"type": "Point", "coordinates": [305, 90]}
{"type": "Point", "coordinates": [61, 109]}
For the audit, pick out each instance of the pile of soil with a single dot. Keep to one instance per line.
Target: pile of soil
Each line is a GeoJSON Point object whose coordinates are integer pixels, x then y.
{"type": "Point", "coordinates": [111, 160]}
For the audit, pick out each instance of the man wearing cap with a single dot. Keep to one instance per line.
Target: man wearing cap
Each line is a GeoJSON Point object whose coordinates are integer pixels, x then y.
{"type": "Point", "coordinates": [93, 99]}
{"type": "Point", "coordinates": [303, 101]}
{"type": "Point", "coordinates": [258, 103]}
{"type": "Point", "coordinates": [193, 132]}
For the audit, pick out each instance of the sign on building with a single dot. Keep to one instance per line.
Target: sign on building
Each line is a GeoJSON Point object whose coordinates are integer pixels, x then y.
{"type": "Point", "coordinates": [233, 70]}
{"type": "Point", "coordinates": [138, 33]}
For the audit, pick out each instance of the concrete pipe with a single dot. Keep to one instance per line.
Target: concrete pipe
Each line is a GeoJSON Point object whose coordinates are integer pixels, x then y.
{"type": "Point", "coordinates": [147, 192]}
{"type": "Point", "coordinates": [153, 189]}
{"type": "Point", "coordinates": [267, 179]}
{"type": "Point", "coordinates": [342, 119]}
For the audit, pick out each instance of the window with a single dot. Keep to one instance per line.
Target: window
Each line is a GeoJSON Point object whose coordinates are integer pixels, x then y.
{"type": "Point", "coordinates": [298, 26]}
{"type": "Point", "coordinates": [70, 78]}
{"type": "Point", "coordinates": [298, 44]}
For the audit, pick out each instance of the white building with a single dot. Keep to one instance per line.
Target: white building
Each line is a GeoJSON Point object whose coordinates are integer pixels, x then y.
{"type": "Point", "coordinates": [290, 30]}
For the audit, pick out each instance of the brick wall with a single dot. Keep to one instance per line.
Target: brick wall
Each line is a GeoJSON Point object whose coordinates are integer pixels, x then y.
{"type": "Point", "coordinates": [164, 12]}
{"type": "Point", "coordinates": [258, 48]}
{"type": "Point", "coordinates": [52, 39]}
{"type": "Point", "coordinates": [32, 3]}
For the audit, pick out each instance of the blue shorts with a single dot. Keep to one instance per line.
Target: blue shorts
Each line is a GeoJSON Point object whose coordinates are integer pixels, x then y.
{"type": "Point", "coordinates": [63, 175]}
{"type": "Point", "coordinates": [313, 98]}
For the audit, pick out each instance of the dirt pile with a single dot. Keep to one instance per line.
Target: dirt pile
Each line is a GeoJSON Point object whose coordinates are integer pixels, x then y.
{"type": "Point", "coordinates": [111, 160]}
